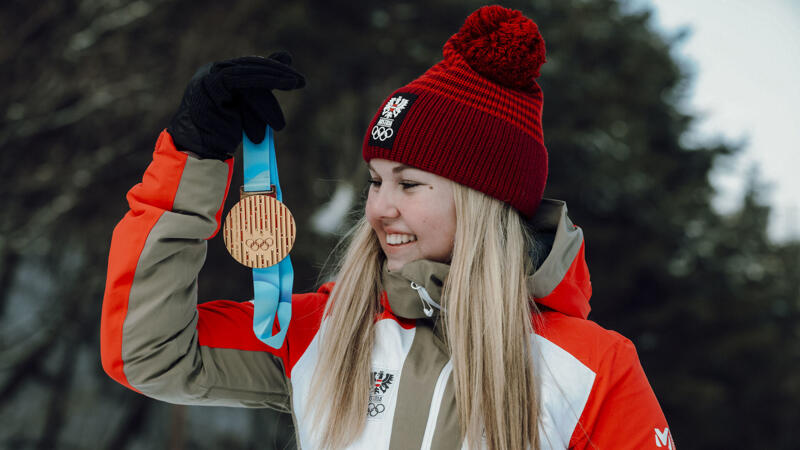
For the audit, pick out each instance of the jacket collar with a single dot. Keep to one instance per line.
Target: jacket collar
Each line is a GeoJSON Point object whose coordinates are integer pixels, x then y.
{"type": "Point", "coordinates": [415, 291]}
{"type": "Point", "coordinates": [560, 281]}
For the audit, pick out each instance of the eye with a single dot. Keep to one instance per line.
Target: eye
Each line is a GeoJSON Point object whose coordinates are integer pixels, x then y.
{"type": "Point", "coordinates": [408, 184]}
{"type": "Point", "coordinates": [373, 182]}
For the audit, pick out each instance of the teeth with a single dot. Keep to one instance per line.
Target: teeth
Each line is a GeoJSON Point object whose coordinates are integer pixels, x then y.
{"type": "Point", "coordinates": [395, 239]}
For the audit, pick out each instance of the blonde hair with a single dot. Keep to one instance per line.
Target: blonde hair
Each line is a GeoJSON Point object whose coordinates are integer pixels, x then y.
{"type": "Point", "coordinates": [487, 325]}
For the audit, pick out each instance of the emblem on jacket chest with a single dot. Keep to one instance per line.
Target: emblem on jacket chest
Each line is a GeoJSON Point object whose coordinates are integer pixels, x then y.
{"type": "Point", "coordinates": [380, 393]}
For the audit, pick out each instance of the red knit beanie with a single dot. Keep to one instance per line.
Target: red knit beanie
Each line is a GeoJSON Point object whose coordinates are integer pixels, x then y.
{"type": "Point", "coordinates": [476, 116]}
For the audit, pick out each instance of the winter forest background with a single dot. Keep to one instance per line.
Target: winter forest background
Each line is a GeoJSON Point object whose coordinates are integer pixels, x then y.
{"type": "Point", "coordinates": [711, 303]}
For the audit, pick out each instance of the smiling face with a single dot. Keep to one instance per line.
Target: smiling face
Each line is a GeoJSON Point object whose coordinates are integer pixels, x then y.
{"type": "Point", "coordinates": [412, 212]}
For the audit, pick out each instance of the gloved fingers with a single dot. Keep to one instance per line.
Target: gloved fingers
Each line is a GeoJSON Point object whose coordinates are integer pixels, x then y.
{"type": "Point", "coordinates": [282, 56]}
{"type": "Point", "coordinates": [254, 59]}
{"type": "Point", "coordinates": [201, 72]}
{"type": "Point", "coordinates": [224, 98]}
{"type": "Point", "coordinates": [278, 61]}
{"type": "Point", "coordinates": [238, 71]}
{"type": "Point", "coordinates": [261, 76]}
{"type": "Point", "coordinates": [242, 60]}
{"type": "Point", "coordinates": [260, 108]}
{"type": "Point", "coordinates": [237, 81]}
{"type": "Point", "coordinates": [265, 106]}
{"type": "Point", "coordinates": [252, 126]}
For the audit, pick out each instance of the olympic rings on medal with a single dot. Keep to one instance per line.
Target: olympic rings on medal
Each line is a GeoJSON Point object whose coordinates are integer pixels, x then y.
{"type": "Point", "coordinates": [373, 409]}
{"type": "Point", "coordinates": [382, 133]}
{"type": "Point", "coordinates": [259, 231]}
{"type": "Point", "coordinates": [259, 244]}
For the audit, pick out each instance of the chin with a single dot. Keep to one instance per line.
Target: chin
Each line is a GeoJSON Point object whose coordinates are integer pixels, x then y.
{"type": "Point", "coordinates": [395, 265]}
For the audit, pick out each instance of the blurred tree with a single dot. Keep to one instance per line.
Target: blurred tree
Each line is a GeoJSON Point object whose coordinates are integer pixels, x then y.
{"type": "Point", "coordinates": [711, 303]}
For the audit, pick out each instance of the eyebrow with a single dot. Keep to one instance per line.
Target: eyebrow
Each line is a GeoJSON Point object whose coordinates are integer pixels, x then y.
{"type": "Point", "coordinates": [396, 169]}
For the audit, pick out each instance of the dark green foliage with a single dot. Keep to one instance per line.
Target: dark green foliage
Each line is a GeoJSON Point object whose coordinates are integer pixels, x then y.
{"type": "Point", "coordinates": [711, 303]}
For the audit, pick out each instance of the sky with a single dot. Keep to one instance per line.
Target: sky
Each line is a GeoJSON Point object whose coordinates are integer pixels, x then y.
{"type": "Point", "coordinates": [745, 57]}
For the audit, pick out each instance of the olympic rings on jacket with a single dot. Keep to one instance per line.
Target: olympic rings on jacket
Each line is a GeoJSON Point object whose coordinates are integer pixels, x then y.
{"type": "Point", "coordinates": [373, 409]}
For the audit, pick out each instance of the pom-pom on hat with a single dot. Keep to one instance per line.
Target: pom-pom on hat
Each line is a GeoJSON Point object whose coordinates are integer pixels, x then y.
{"type": "Point", "coordinates": [476, 116]}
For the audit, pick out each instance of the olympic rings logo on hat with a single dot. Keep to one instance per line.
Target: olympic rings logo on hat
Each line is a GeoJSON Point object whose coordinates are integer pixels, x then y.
{"type": "Point", "coordinates": [373, 409]}
{"type": "Point", "coordinates": [259, 244]}
{"type": "Point", "coordinates": [381, 133]}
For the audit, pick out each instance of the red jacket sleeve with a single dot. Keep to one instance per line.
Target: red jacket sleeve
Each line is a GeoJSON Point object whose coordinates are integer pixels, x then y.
{"type": "Point", "coordinates": [155, 339]}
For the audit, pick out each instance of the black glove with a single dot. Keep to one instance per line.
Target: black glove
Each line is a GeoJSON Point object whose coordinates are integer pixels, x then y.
{"type": "Point", "coordinates": [226, 97]}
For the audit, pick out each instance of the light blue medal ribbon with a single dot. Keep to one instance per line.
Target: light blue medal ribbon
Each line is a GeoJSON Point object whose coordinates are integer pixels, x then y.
{"type": "Point", "coordinates": [272, 286]}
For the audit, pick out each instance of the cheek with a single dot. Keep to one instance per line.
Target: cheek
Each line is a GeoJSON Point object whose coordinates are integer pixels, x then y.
{"type": "Point", "coordinates": [439, 231]}
{"type": "Point", "coordinates": [369, 213]}
{"type": "Point", "coordinates": [448, 229]}
{"type": "Point", "coordinates": [448, 234]}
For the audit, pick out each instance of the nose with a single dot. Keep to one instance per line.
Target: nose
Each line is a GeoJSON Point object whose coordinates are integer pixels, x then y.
{"type": "Point", "coordinates": [383, 204]}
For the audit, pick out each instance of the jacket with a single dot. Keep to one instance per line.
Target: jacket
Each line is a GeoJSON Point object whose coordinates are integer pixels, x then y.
{"type": "Point", "coordinates": [156, 339]}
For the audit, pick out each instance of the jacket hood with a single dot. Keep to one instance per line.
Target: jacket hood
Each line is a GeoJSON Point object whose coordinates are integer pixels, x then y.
{"type": "Point", "coordinates": [560, 281]}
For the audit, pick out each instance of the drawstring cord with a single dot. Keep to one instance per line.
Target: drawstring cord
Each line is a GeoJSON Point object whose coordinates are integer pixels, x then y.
{"type": "Point", "coordinates": [427, 302]}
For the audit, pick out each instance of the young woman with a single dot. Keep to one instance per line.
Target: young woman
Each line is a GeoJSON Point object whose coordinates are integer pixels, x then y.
{"type": "Point", "coordinates": [458, 314]}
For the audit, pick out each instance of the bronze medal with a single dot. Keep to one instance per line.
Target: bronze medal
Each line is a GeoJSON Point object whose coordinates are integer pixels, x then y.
{"type": "Point", "coordinates": [259, 230]}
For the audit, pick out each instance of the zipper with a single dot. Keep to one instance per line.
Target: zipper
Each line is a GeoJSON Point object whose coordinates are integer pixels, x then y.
{"type": "Point", "coordinates": [427, 302]}
{"type": "Point", "coordinates": [436, 404]}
